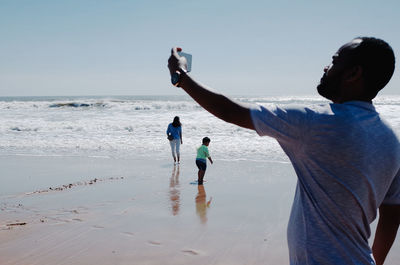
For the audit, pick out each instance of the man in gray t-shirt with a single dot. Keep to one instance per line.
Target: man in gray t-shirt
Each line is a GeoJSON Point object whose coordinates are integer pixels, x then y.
{"type": "Point", "coordinates": [346, 157]}
{"type": "Point", "coordinates": [335, 202]}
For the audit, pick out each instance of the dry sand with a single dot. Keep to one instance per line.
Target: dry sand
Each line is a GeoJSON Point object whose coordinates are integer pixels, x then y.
{"type": "Point", "coordinates": [74, 210]}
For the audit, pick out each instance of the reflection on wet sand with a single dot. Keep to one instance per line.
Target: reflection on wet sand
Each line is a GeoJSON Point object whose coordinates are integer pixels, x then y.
{"type": "Point", "coordinates": [201, 204]}
{"type": "Point", "coordinates": [174, 193]}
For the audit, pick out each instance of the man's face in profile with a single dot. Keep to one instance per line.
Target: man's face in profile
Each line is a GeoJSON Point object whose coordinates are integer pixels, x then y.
{"type": "Point", "coordinates": [331, 82]}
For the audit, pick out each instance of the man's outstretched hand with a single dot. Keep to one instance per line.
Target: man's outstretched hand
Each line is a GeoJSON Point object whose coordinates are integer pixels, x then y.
{"type": "Point", "coordinates": [176, 62]}
{"type": "Point", "coordinates": [217, 104]}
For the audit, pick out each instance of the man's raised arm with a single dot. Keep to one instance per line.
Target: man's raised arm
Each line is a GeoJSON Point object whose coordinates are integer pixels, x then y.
{"type": "Point", "coordinates": [386, 231]}
{"type": "Point", "coordinates": [215, 103]}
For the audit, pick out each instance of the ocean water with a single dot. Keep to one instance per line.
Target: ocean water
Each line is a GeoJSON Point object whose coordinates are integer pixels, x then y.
{"type": "Point", "coordinates": [124, 127]}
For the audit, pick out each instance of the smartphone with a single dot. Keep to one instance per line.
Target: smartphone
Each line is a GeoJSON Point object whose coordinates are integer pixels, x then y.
{"type": "Point", "coordinates": [188, 60]}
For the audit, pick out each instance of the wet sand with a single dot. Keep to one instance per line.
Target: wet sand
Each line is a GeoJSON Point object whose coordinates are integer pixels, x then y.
{"type": "Point", "coordinates": [74, 210]}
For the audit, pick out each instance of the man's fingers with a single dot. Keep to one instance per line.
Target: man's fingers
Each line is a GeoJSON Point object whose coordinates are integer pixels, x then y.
{"type": "Point", "coordinates": [173, 61]}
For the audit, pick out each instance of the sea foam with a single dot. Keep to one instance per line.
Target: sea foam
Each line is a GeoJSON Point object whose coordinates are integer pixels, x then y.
{"type": "Point", "coordinates": [127, 126]}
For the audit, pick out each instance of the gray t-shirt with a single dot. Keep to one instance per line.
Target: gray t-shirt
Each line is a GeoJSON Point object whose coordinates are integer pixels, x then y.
{"type": "Point", "coordinates": [347, 161]}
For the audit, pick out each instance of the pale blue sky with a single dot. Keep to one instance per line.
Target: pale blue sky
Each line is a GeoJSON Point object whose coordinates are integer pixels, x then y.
{"type": "Point", "coordinates": [239, 47]}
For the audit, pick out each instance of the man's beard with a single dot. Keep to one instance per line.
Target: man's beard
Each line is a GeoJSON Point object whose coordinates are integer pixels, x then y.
{"type": "Point", "coordinates": [329, 87]}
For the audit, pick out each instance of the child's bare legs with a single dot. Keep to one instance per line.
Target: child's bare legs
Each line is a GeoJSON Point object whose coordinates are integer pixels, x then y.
{"type": "Point", "coordinates": [200, 175]}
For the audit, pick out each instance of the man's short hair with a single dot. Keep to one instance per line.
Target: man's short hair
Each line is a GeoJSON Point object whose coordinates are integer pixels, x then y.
{"type": "Point", "coordinates": [206, 140]}
{"type": "Point", "coordinates": [377, 60]}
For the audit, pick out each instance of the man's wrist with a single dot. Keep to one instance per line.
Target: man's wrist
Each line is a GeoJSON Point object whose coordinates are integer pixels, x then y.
{"type": "Point", "coordinates": [178, 77]}
{"type": "Point", "coordinates": [183, 75]}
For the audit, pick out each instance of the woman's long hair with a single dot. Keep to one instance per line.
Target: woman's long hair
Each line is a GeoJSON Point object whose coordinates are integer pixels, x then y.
{"type": "Point", "coordinates": [176, 122]}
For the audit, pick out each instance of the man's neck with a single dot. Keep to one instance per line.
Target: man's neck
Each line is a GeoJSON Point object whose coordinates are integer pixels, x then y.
{"type": "Point", "coordinates": [343, 99]}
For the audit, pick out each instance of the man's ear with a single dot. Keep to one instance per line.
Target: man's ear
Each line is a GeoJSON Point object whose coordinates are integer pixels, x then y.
{"type": "Point", "coordinates": [354, 73]}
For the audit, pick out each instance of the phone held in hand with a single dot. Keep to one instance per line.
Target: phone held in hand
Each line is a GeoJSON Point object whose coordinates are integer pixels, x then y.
{"type": "Point", "coordinates": [188, 60]}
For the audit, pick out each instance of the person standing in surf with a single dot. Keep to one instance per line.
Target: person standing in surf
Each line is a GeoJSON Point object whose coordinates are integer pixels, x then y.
{"type": "Point", "coordinates": [201, 159]}
{"type": "Point", "coordinates": [174, 134]}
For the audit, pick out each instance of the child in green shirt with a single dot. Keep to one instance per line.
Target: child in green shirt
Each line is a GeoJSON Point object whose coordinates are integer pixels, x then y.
{"type": "Point", "coordinates": [201, 159]}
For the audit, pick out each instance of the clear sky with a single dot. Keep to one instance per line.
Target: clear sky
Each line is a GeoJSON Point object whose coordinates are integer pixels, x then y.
{"type": "Point", "coordinates": [87, 47]}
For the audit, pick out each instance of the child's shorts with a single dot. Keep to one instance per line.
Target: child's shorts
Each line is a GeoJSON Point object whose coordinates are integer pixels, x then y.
{"type": "Point", "coordinates": [201, 164]}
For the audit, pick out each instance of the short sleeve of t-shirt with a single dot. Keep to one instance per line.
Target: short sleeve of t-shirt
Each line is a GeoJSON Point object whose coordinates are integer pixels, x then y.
{"type": "Point", "coordinates": [393, 194]}
{"type": "Point", "coordinates": [283, 124]}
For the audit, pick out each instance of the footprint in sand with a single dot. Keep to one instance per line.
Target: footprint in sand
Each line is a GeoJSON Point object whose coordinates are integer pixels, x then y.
{"type": "Point", "coordinates": [190, 251]}
{"type": "Point", "coordinates": [128, 233]}
{"type": "Point", "coordinates": [98, 226]}
{"type": "Point", "coordinates": [154, 243]}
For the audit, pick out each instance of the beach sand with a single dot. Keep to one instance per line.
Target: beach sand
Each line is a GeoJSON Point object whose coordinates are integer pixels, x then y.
{"type": "Point", "coordinates": [80, 210]}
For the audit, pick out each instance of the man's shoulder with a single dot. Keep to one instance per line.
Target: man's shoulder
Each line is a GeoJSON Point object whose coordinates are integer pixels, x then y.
{"type": "Point", "coordinates": [297, 108]}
